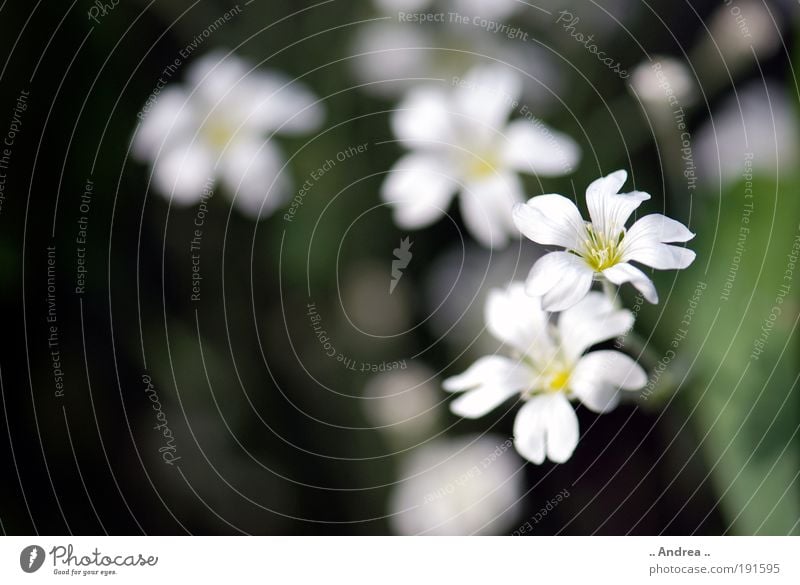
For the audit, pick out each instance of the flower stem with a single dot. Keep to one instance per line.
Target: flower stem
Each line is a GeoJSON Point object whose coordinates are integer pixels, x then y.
{"type": "Point", "coordinates": [610, 290]}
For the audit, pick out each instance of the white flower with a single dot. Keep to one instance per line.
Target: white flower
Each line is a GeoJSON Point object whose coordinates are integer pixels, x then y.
{"type": "Point", "coordinates": [753, 130]}
{"type": "Point", "coordinates": [390, 57]}
{"type": "Point", "coordinates": [403, 403]}
{"type": "Point", "coordinates": [602, 248]}
{"type": "Point", "coordinates": [489, 9]}
{"type": "Point", "coordinates": [216, 127]}
{"type": "Point", "coordinates": [462, 486]}
{"type": "Point", "coordinates": [551, 368]}
{"type": "Point", "coordinates": [660, 80]}
{"type": "Point", "coordinates": [461, 141]}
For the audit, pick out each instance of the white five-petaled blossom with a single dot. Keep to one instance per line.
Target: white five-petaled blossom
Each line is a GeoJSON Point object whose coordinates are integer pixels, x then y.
{"type": "Point", "coordinates": [217, 126]}
{"type": "Point", "coordinates": [461, 141]}
{"type": "Point", "coordinates": [602, 248]}
{"type": "Point", "coordinates": [550, 367]}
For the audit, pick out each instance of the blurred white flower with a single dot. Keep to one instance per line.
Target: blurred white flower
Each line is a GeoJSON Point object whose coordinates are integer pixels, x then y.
{"type": "Point", "coordinates": [403, 402]}
{"type": "Point", "coordinates": [216, 128]}
{"type": "Point", "coordinates": [602, 248]}
{"type": "Point", "coordinates": [549, 369]}
{"type": "Point", "coordinates": [754, 130]}
{"type": "Point", "coordinates": [468, 485]}
{"type": "Point", "coordinates": [461, 141]}
{"type": "Point", "coordinates": [663, 81]}
{"type": "Point", "coordinates": [494, 9]}
{"type": "Point", "coordinates": [739, 29]}
{"type": "Point", "coordinates": [390, 57]}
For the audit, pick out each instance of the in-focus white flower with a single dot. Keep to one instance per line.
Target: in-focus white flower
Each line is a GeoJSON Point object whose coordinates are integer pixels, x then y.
{"type": "Point", "coordinates": [602, 248]}
{"type": "Point", "coordinates": [468, 485]}
{"type": "Point", "coordinates": [217, 127]}
{"type": "Point", "coordinates": [461, 142]}
{"type": "Point", "coordinates": [550, 367]}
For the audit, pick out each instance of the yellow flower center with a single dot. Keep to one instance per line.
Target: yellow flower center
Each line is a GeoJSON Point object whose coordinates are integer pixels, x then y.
{"type": "Point", "coordinates": [482, 166]}
{"type": "Point", "coordinates": [218, 132]}
{"type": "Point", "coordinates": [558, 381]}
{"type": "Point", "coordinates": [600, 250]}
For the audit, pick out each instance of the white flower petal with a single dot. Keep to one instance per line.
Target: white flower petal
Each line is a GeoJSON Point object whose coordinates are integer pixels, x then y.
{"type": "Point", "coordinates": [169, 119]}
{"type": "Point", "coordinates": [498, 10]}
{"type": "Point", "coordinates": [608, 209]}
{"type": "Point", "coordinates": [596, 394]}
{"type": "Point", "coordinates": [216, 75]}
{"type": "Point", "coordinates": [488, 383]}
{"type": "Point", "coordinates": [658, 228]}
{"type": "Point", "coordinates": [515, 318]}
{"type": "Point", "coordinates": [481, 401]}
{"type": "Point", "coordinates": [422, 120]}
{"type": "Point", "coordinates": [608, 185]}
{"type": "Point", "coordinates": [490, 369]}
{"type": "Point", "coordinates": [271, 101]}
{"type": "Point", "coordinates": [546, 425]}
{"type": "Point", "coordinates": [530, 430]}
{"type": "Point", "coordinates": [561, 278]}
{"type": "Point", "coordinates": [251, 171]}
{"type": "Point", "coordinates": [661, 256]}
{"type": "Point", "coordinates": [532, 147]}
{"type": "Point", "coordinates": [551, 220]}
{"type": "Point", "coordinates": [419, 187]}
{"type": "Point", "coordinates": [486, 97]}
{"type": "Point", "coordinates": [486, 208]}
{"type": "Point", "coordinates": [590, 321]}
{"type": "Point", "coordinates": [599, 375]}
{"type": "Point", "coordinates": [624, 272]}
{"type": "Point", "coordinates": [644, 243]}
{"type": "Point", "coordinates": [183, 172]}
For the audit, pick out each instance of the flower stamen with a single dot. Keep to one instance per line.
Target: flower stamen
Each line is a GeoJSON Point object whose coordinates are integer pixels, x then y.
{"type": "Point", "coordinates": [600, 250]}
